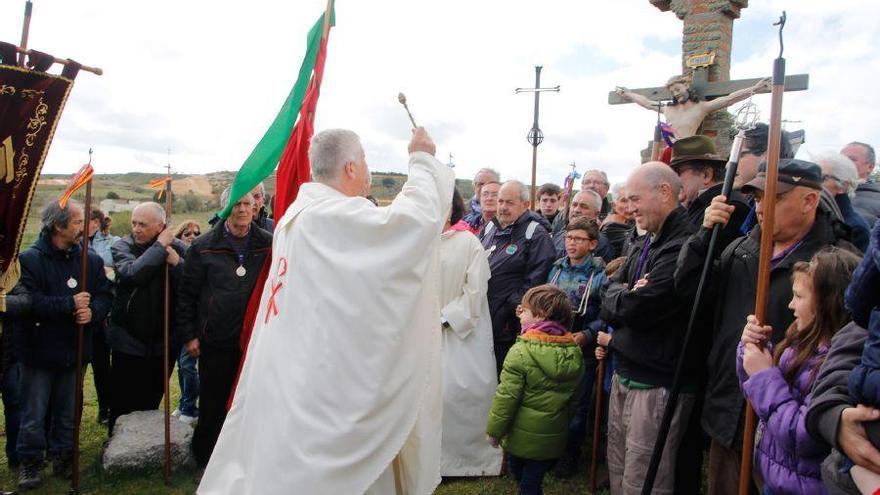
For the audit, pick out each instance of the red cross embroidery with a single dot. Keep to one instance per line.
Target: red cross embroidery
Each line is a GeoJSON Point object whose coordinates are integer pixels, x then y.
{"type": "Point", "coordinates": [272, 307]}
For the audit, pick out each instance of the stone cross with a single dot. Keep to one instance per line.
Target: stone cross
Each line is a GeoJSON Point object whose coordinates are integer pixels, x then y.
{"type": "Point", "coordinates": [708, 30]}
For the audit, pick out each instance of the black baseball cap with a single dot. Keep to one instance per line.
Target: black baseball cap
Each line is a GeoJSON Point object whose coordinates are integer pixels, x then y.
{"type": "Point", "coordinates": [792, 173]}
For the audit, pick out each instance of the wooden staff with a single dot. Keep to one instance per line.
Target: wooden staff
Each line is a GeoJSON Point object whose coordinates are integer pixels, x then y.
{"type": "Point", "coordinates": [80, 331]}
{"type": "Point", "coordinates": [25, 30]}
{"type": "Point", "coordinates": [597, 425]}
{"type": "Point", "coordinates": [166, 322]}
{"type": "Point", "coordinates": [657, 145]}
{"type": "Point", "coordinates": [63, 61]}
{"type": "Point", "coordinates": [766, 253]}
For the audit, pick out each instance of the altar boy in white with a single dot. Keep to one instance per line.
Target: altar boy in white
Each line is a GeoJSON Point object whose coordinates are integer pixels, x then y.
{"type": "Point", "coordinates": [343, 368]}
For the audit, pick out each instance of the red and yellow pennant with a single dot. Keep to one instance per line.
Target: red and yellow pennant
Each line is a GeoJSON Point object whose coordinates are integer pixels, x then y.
{"type": "Point", "coordinates": [78, 180]}
{"type": "Point", "coordinates": [160, 185]}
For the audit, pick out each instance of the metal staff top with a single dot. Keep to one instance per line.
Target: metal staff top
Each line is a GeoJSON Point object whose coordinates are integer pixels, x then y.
{"type": "Point", "coordinates": [402, 99]}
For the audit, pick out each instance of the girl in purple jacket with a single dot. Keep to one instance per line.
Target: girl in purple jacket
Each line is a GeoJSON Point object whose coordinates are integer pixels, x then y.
{"type": "Point", "coordinates": [777, 379]}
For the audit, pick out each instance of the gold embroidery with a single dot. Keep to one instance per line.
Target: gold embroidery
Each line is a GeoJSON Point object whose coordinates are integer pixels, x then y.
{"type": "Point", "coordinates": [7, 156]}
{"type": "Point", "coordinates": [7, 90]}
{"type": "Point", "coordinates": [31, 93]}
{"type": "Point", "coordinates": [36, 122]}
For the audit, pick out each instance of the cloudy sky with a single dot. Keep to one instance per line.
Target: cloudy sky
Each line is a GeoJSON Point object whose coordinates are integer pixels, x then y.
{"type": "Point", "coordinates": [205, 78]}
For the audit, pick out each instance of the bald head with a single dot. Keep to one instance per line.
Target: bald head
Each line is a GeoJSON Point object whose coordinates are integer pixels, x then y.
{"type": "Point", "coordinates": [653, 190]}
{"type": "Point", "coordinates": [147, 221]}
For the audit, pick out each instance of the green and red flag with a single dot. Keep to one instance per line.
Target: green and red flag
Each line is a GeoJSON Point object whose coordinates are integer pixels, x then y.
{"type": "Point", "coordinates": [278, 138]}
{"type": "Point", "coordinates": [293, 159]}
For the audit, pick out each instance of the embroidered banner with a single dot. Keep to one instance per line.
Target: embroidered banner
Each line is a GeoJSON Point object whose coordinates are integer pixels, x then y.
{"type": "Point", "coordinates": [30, 104]}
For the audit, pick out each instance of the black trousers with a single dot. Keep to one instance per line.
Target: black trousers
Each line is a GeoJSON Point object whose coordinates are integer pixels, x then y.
{"type": "Point", "coordinates": [101, 367]}
{"type": "Point", "coordinates": [218, 369]}
{"type": "Point", "coordinates": [501, 349]}
{"type": "Point", "coordinates": [136, 384]}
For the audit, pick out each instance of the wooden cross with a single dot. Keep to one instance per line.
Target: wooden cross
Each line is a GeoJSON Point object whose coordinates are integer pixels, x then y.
{"type": "Point", "coordinates": [707, 40]}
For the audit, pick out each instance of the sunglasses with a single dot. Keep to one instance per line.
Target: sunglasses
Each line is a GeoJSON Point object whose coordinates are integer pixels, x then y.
{"type": "Point", "coordinates": [193, 233]}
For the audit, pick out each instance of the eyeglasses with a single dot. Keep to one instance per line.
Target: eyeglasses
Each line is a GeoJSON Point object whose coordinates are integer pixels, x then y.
{"type": "Point", "coordinates": [192, 233]}
{"type": "Point", "coordinates": [832, 177]}
{"type": "Point", "coordinates": [577, 239]}
{"type": "Point", "coordinates": [594, 182]}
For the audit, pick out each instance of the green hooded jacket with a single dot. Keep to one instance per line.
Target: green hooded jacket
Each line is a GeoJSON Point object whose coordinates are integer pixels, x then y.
{"type": "Point", "coordinates": [535, 398]}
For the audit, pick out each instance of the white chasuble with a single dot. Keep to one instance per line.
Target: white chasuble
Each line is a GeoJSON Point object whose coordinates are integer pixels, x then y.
{"type": "Point", "coordinates": [469, 374]}
{"type": "Point", "coordinates": [343, 369]}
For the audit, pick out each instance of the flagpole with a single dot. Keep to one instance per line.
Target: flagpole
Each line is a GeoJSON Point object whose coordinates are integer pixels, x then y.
{"type": "Point", "coordinates": [25, 31]}
{"type": "Point", "coordinates": [83, 280]}
{"type": "Point", "coordinates": [166, 316]}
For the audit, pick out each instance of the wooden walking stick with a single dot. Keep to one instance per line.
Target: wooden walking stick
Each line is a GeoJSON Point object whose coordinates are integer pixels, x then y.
{"type": "Point", "coordinates": [398, 475]}
{"type": "Point", "coordinates": [766, 253]}
{"type": "Point", "coordinates": [597, 425]}
{"type": "Point", "coordinates": [84, 175]}
{"type": "Point", "coordinates": [166, 322]}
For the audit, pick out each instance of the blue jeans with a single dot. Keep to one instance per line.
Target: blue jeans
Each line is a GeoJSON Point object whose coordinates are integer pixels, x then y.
{"type": "Point", "coordinates": [12, 410]}
{"type": "Point", "coordinates": [529, 474]}
{"type": "Point", "coordinates": [41, 387]}
{"type": "Point", "coordinates": [189, 384]}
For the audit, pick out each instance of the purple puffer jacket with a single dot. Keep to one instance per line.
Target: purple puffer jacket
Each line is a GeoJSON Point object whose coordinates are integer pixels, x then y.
{"type": "Point", "coordinates": [788, 458]}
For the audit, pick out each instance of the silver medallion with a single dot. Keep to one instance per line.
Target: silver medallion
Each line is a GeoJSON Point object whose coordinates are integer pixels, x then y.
{"type": "Point", "coordinates": [71, 282]}
{"type": "Point", "coordinates": [240, 271]}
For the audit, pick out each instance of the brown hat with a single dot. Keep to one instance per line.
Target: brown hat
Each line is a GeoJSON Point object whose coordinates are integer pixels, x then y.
{"type": "Point", "coordinates": [695, 148]}
{"type": "Point", "coordinates": [792, 173]}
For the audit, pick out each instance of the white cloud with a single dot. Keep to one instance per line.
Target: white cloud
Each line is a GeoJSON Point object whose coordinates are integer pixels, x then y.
{"type": "Point", "coordinates": [206, 78]}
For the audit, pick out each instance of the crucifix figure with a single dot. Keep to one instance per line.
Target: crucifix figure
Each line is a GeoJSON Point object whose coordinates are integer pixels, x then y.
{"type": "Point", "coordinates": [535, 136]}
{"type": "Point", "coordinates": [707, 41]}
{"type": "Point", "coordinates": [686, 111]}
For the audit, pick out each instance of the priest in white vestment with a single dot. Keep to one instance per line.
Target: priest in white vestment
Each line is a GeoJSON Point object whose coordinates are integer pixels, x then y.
{"type": "Point", "coordinates": [343, 369]}
{"type": "Point", "coordinates": [469, 375]}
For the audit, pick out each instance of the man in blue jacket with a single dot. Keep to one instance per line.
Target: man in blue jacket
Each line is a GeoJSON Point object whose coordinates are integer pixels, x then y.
{"type": "Point", "coordinates": [50, 271]}
{"type": "Point", "coordinates": [520, 256]}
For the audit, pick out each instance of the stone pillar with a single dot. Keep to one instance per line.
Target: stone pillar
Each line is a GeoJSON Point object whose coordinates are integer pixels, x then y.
{"type": "Point", "coordinates": [708, 26]}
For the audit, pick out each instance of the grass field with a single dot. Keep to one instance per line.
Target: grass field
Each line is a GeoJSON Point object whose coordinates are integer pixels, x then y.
{"type": "Point", "coordinates": [94, 481]}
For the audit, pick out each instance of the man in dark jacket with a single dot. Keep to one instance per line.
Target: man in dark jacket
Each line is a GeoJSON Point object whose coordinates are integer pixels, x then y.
{"type": "Point", "coordinates": [649, 317]}
{"type": "Point", "coordinates": [867, 200]}
{"type": "Point", "coordinates": [520, 256]}
{"type": "Point", "coordinates": [701, 171]}
{"type": "Point", "coordinates": [800, 229]}
{"type": "Point", "coordinates": [136, 332]}
{"type": "Point", "coordinates": [50, 271]}
{"type": "Point", "coordinates": [15, 305]}
{"type": "Point", "coordinates": [221, 271]}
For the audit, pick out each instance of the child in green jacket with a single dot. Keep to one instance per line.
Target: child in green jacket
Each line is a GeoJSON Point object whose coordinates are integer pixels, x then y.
{"type": "Point", "coordinates": [534, 400]}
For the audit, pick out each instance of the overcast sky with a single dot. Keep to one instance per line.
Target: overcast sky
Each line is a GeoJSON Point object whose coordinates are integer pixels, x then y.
{"type": "Point", "coordinates": [205, 78]}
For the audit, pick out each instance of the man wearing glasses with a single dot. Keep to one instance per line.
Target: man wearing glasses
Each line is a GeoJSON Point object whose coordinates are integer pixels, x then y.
{"type": "Point", "coordinates": [597, 181]}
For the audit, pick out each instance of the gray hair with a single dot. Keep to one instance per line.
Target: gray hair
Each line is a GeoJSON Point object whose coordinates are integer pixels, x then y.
{"type": "Point", "coordinates": [491, 171]}
{"type": "Point", "coordinates": [594, 196]}
{"type": "Point", "coordinates": [53, 215]}
{"type": "Point", "coordinates": [156, 207]}
{"type": "Point", "coordinates": [595, 171]}
{"type": "Point", "coordinates": [523, 190]}
{"type": "Point", "coordinates": [330, 150]}
{"type": "Point", "coordinates": [615, 189]}
{"type": "Point", "coordinates": [224, 196]}
{"type": "Point", "coordinates": [869, 151]}
{"type": "Point", "coordinates": [840, 167]}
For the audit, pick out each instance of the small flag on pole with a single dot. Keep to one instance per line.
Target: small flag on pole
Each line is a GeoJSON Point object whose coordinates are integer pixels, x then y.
{"type": "Point", "coordinates": [160, 185]}
{"type": "Point", "coordinates": [76, 182]}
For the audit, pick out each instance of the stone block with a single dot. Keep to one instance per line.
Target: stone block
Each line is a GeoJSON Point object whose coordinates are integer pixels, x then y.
{"type": "Point", "coordinates": [138, 442]}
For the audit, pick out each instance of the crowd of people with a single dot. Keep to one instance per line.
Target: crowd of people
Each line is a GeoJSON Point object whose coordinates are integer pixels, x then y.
{"type": "Point", "coordinates": [530, 302]}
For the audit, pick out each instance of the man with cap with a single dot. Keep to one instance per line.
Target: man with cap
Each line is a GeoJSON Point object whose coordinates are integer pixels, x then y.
{"type": "Point", "coordinates": [800, 229]}
{"type": "Point", "coordinates": [701, 171]}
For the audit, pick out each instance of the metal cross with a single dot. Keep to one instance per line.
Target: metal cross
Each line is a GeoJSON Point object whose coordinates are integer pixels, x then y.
{"type": "Point", "coordinates": [535, 136]}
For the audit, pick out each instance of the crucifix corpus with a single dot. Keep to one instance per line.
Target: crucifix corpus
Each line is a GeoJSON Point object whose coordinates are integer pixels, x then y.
{"type": "Point", "coordinates": [535, 136]}
{"type": "Point", "coordinates": [686, 101]}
